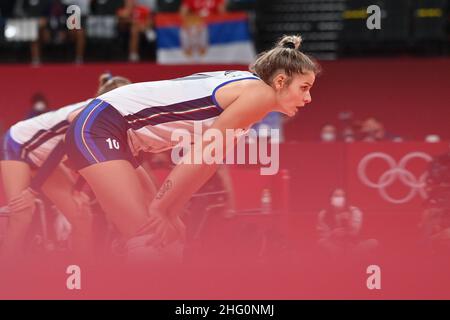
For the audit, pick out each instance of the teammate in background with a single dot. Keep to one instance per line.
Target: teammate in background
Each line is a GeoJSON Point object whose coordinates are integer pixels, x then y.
{"type": "Point", "coordinates": [26, 146]}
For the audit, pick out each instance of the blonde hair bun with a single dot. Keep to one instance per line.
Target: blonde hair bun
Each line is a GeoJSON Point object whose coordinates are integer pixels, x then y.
{"type": "Point", "coordinates": [287, 41]}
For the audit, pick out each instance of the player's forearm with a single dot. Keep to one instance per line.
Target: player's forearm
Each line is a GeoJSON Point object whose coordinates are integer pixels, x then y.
{"type": "Point", "coordinates": [182, 182]}
{"type": "Point", "coordinates": [176, 209]}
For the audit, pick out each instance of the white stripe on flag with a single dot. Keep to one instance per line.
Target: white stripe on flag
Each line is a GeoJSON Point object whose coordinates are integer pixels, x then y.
{"type": "Point", "coordinates": [239, 53]}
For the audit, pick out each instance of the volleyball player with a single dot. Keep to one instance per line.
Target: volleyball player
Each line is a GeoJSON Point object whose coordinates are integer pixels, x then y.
{"type": "Point", "coordinates": [106, 136]}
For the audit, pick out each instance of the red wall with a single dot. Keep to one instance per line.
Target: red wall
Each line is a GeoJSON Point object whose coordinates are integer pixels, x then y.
{"type": "Point", "coordinates": [410, 96]}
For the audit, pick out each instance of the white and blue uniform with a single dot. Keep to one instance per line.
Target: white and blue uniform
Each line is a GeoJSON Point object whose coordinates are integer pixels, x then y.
{"type": "Point", "coordinates": [32, 140]}
{"type": "Point", "coordinates": [143, 116]}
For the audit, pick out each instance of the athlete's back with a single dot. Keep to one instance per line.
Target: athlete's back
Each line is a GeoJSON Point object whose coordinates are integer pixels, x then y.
{"type": "Point", "coordinates": [53, 121]}
{"type": "Point", "coordinates": [39, 135]}
{"type": "Point", "coordinates": [154, 110]}
{"type": "Point", "coordinates": [135, 97]}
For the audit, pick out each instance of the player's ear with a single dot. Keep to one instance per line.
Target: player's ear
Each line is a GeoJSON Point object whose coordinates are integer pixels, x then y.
{"type": "Point", "coordinates": [279, 81]}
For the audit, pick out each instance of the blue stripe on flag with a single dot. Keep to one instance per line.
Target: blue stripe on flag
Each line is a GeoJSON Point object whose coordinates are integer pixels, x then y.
{"type": "Point", "coordinates": [168, 37]}
{"type": "Point", "coordinates": [228, 32]}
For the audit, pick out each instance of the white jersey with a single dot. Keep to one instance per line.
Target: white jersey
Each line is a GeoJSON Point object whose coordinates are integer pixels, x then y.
{"type": "Point", "coordinates": [39, 135]}
{"type": "Point", "coordinates": [155, 109]}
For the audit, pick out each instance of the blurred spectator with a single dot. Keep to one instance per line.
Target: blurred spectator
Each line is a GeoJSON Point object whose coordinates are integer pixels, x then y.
{"type": "Point", "coordinates": [339, 228]}
{"type": "Point", "coordinates": [346, 121]}
{"type": "Point", "coordinates": [435, 228]}
{"type": "Point", "coordinates": [56, 30]}
{"type": "Point", "coordinates": [51, 19]}
{"type": "Point", "coordinates": [373, 130]}
{"type": "Point", "coordinates": [39, 10]}
{"type": "Point", "coordinates": [328, 133]}
{"type": "Point", "coordinates": [438, 181]}
{"type": "Point", "coordinates": [435, 224]}
{"type": "Point", "coordinates": [194, 31]}
{"type": "Point", "coordinates": [79, 34]}
{"type": "Point", "coordinates": [135, 19]}
{"type": "Point", "coordinates": [39, 105]}
{"type": "Point", "coordinates": [348, 134]}
{"type": "Point", "coordinates": [202, 8]}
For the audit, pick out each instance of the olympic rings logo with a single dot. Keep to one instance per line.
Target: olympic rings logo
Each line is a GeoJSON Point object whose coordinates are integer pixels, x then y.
{"type": "Point", "coordinates": [396, 171]}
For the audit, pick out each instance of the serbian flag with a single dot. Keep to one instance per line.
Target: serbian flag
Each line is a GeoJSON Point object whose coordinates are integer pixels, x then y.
{"type": "Point", "coordinates": [218, 39]}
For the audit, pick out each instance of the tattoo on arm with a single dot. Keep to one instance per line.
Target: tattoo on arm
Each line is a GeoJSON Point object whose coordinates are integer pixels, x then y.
{"type": "Point", "coordinates": [164, 188]}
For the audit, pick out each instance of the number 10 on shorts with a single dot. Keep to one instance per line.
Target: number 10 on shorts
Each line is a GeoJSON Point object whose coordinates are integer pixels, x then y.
{"type": "Point", "coordinates": [113, 144]}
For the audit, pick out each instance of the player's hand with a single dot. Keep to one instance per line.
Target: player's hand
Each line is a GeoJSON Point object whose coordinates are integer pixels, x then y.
{"type": "Point", "coordinates": [82, 200]}
{"type": "Point", "coordinates": [25, 200]}
{"type": "Point", "coordinates": [164, 230]}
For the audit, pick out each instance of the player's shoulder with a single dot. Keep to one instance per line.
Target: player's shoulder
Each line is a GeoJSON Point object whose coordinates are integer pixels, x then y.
{"type": "Point", "coordinates": [251, 91]}
{"type": "Point", "coordinates": [258, 90]}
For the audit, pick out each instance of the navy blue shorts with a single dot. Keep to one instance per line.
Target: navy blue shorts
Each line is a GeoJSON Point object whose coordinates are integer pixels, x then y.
{"type": "Point", "coordinates": [12, 150]}
{"type": "Point", "coordinates": [98, 134]}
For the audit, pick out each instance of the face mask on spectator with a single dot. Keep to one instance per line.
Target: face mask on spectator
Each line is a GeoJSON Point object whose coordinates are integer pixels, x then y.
{"type": "Point", "coordinates": [39, 106]}
{"type": "Point", "coordinates": [338, 201]}
{"type": "Point", "coordinates": [328, 136]}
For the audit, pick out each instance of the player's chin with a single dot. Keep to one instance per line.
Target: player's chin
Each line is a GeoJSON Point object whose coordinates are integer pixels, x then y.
{"type": "Point", "coordinates": [289, 112]}
{"type": "Point", "coordinates": [292, 113]}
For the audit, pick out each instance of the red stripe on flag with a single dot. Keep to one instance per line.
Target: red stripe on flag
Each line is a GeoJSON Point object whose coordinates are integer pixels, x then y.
{"type": "Point", "coordinates": [174, 19]}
